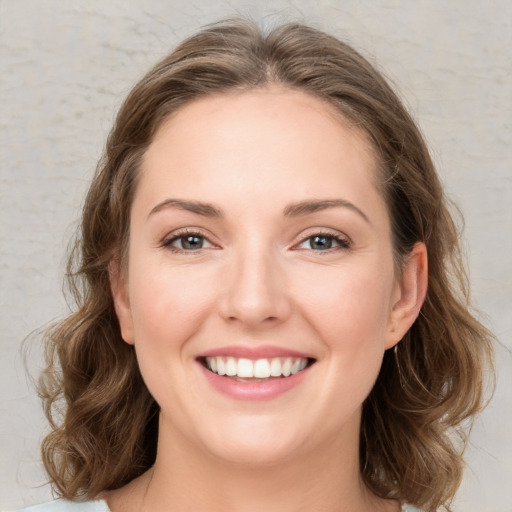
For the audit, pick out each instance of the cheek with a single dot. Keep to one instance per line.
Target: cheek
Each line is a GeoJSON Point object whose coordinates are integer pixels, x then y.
{"type": "Point", "coordinates": [349, 312]}
{"type": "Point", "coordinates": [350, 305]}
{"type": "Point", "coordinates": [167, 304]}
{"type": "Point", "coordinates": [167, 307]}
{"type": "Point", "coordinates": [347, 309]}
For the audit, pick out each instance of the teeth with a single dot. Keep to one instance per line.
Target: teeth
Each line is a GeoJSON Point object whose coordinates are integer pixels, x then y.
{"type": "Point", "coordinates": [275, 367]}
{"type": "Point", "coordinates": [231, 369]}
{"type": "Point", "coordinates": [295, 367]}
{"type": "Point", "coordinates": [221, 366]}
{"type": "Point", "coordinates": [261, 368]}
{"type": "Point", "coordinates": [287, 367]}
{"type": "Point", "coordinates": [245, 368]}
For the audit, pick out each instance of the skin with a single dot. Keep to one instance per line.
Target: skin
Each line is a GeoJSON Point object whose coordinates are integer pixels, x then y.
{"type": "Point", "coordinates": [258, 280]}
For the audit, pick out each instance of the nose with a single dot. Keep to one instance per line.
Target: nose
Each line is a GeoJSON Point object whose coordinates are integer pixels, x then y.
{"type": "Point", "coordinates": [255, 294]}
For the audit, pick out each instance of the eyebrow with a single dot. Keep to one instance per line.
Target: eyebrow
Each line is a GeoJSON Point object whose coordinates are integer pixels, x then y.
{"type": "Point", "coordinates": [198, 207]}
{"type": "Point", "coordinates": [293, 210]}
{"type": "Point", "coordinates": [307, 207]}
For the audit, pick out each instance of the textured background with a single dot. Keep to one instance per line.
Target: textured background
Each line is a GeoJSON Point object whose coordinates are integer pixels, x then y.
{"type": "Point", "coordinates": [65, 67]}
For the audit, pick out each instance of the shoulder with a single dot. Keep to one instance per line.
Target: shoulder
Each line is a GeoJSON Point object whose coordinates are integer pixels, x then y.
{"type": "Point", "coordinates": [69, 506]}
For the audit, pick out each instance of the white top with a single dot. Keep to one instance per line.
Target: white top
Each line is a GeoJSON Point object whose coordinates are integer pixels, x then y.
{"type": "Point", "coordinates": [101, 506]}
{"type": "Point", "coordinates": [69, 506]}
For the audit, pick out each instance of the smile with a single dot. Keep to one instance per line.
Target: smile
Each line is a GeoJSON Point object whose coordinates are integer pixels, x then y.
{"type": "Point", "coordinates": [262, 373]}
{"type": "Point", "coordinates": [243, 368]}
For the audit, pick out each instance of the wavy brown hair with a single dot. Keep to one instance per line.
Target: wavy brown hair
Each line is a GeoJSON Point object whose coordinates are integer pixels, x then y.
{"type": "Point", "coordinates": [103, 419]}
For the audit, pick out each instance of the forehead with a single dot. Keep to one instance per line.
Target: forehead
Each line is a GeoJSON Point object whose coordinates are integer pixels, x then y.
{"type": "Point", "coordinates": [276, 104]}
{"type": "Point", "coordinates": [244, 145]}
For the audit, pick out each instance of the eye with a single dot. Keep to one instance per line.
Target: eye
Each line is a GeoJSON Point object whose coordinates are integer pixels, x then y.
{"type": "Point", "coordinates": [324, 242]}
{"type": "Point", "coordinates": [187, 242]}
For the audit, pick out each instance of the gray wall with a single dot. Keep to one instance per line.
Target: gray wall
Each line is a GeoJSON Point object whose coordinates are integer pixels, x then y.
{"type": "Point", "coordinates": [66, 65]}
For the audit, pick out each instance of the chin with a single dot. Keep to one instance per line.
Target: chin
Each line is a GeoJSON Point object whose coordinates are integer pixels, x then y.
{"type": "Point", "coordinates": [255, 443]}
{"type": "Point", "coordinates": [254, 455]}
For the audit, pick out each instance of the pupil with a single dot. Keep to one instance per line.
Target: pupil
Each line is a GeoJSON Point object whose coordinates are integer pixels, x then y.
{"type": "Point", "coordinates": [321, 242]}
{"type": "Point", "coordinates": [192, 242]}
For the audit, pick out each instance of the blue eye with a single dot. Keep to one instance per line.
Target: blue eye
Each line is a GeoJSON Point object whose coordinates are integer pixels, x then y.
{"type": "Point", "coordinates": [321, 243]}
{"type": "Point", "coordinates": [188, 242]}
{"type": "Point", "coordinates": [324, 242]}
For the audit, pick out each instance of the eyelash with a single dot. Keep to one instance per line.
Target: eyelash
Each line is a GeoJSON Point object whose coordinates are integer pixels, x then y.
{"type": "Point", "coordinates": [182, 234]}
{"type": "Point", "coordinates": [342, 242]}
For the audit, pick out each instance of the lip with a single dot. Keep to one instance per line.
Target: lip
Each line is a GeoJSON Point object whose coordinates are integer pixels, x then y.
{"type": "Point", "coordinates": [265, 390]}
{"type": "Point", "coordinates": [254, 353]}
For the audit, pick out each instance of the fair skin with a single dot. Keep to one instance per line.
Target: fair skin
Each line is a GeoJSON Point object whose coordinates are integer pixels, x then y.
{"type": "Point", "coordinates": [258, 233]}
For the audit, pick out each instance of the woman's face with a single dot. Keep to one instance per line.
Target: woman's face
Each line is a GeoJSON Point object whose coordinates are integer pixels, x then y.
{"type": "Point", "coordinates": [259, 247]}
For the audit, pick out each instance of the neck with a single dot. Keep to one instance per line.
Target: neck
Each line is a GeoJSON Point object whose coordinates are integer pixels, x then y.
{"type": "Point", "coordinates": [187, 478]}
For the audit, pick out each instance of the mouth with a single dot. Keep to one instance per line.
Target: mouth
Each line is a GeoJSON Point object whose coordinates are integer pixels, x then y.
{"type": "Point", "coordinates": [258, 370]}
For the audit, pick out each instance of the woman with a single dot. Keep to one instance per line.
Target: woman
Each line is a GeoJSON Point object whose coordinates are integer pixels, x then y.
{"type": "Point", "coordinates": [271, 308]}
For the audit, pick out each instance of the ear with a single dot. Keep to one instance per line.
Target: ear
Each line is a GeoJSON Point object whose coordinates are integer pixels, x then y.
{"type": "Point", "coordinates": [409, 294]}
{"type": "Point", "coordinates": [119, 289]}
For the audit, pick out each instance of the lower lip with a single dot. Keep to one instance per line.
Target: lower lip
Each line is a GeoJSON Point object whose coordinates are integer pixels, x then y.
{"type": "Point", "coordinates": [266, 390]}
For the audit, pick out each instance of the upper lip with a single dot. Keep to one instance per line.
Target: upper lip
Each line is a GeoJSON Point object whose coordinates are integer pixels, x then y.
{"type": "Point", "coordinates": [259, 352]}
